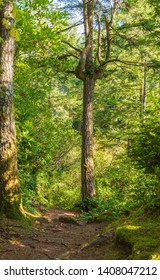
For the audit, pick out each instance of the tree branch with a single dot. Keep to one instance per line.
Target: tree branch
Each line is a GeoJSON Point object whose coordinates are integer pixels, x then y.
{"type": "Point", "coordinates": [80, 22]}
{"type": "Point", "coordinates": [132, 63]}
{"type": "Point", "coordinates": [99, 38]}
{"type": "Point", "coordinates": [113, 10]}
{"type": "Point", "coordinates": [108, 38]}
{"type": "Point", "coordinates": [71, 46]}
{"type": "Point", "coordinates": [64, 56]}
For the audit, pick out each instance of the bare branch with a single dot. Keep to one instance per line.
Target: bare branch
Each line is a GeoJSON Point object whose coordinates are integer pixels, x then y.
{"type": "Point", "coordinates": [66, 55]}
{"type": "Point", "coordinates": [113, 10]}
{"type": "Point", "coordinates": [80, 22]}
{"type": "Point", "coordinates": [132, 63]}
{"type": "Point", "coordinates": [71, 46]}
{"type": "Point", "coordinates": [99, 38]}
{"type": "Point", "coordinates": [101, 6]}
{"type": "Point", "coordinates": [108, 38]}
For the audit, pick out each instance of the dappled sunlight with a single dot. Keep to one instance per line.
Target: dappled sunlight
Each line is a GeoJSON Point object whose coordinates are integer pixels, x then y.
{"type": "Point", "coordinates": [155, 256]}
{"type": "Point", "coordinates": [132, 227]}
{"type": "Point", "coordinates": [16, 243]}
{"type": "Point", "coordinates": [48, 238]}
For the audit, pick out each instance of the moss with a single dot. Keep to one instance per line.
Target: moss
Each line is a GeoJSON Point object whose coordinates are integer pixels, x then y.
{"type": "Point", "coordinates": [156, 255]}
{"type": "Point", "coordinates": [12, 210]}
{"type": "Point", "coordinates": [138, 234]}
{"type": "Point", "coordinates": [15, 211]}
{"type": "Point", "coordinates": [127, 234]}
{"type": "Point", "coordinates": [151, 209]}
{"type": "Point", "coordinates": [141, 232]}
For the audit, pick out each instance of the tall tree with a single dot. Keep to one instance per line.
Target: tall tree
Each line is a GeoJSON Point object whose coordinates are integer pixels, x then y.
{"type": "Point", "coordinates": [84, 72]}
{"type": "Point", "coordinates": [91, 67]}
{"type": "Point", "coordinates": [9, 184]}
{"type": "Point", "coordinates": [110, 28]}
{"type": "Point", "coordinates": [98, 18]}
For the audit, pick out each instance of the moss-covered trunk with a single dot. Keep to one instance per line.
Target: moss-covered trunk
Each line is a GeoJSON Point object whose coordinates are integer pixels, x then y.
{"type": "Point", "coordinates": [9, 184]}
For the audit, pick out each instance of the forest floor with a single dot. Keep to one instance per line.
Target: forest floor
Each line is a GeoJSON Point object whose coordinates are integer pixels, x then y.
{"type": "Point", "coordinates": [57, 234]}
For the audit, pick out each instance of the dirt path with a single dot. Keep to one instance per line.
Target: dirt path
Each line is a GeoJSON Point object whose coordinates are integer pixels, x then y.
{"type": "Point", "coordinates": [53, 237]}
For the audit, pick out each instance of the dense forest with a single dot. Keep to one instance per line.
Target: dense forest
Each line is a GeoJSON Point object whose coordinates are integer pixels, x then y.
{"type": "Point", "coordinates": [80, 116]}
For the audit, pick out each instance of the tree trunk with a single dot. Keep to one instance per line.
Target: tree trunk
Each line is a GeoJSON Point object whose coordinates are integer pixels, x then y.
{"type": "Point", "coordinates": [9, 184]}
{"type": "Point", "coordinates": [86, 64]}
{"type": "Point", "coordinates": [87, 167]}
{"type": "Point", "coordinates": [87, 71]}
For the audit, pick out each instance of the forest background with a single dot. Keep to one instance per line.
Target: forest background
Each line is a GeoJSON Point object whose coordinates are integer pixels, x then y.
{"type": "Point", "coordinates": [48, 107]}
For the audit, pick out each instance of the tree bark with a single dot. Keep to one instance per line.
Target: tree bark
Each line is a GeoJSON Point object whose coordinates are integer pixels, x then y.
{"type": "Point", "coordinates": [9, 183]}
{"type": "Point", "coordinates": [87, 167]}
{"type": "Point", "coordinates": [87, 162]}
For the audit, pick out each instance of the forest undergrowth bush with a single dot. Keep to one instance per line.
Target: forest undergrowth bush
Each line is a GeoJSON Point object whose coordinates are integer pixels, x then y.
{"type": "Point", "coordinates": [119, 193]}
{"type": "Point", "coordinates": [123, 191]}
{"type": "Point", "coordinates": [121, 186]}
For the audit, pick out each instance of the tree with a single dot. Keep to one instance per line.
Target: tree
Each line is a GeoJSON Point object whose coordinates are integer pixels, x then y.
{"type": "Point", "coordinates": [9, 184]}
{"type": "Point", "coordinates": [111, 29]}
{"type": "Point", "coordinates": [84, 72]}
{"type": "Point", "coordinates": [92, 63]}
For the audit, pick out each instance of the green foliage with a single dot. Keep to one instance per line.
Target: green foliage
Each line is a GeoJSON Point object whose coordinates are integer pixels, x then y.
{"type": "Point", "coordinates": [146, 145]}
{"type": "Point", "coordinates": [87, 204]}
{"type": "Point", "coordinates": [103, 207]}
{"type": "Point", "coordinates": [49, 107]}
{"type": "Point", "coordinates": [44, 106]}
{"type": "Point", "coordinates": [63, 196]}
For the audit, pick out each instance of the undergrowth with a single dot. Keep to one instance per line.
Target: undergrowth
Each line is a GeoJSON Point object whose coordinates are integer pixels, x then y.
{"type": "Point", "coordinates": [140, 232]}
{"type": "Point", "coordinates": [94, 209]}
